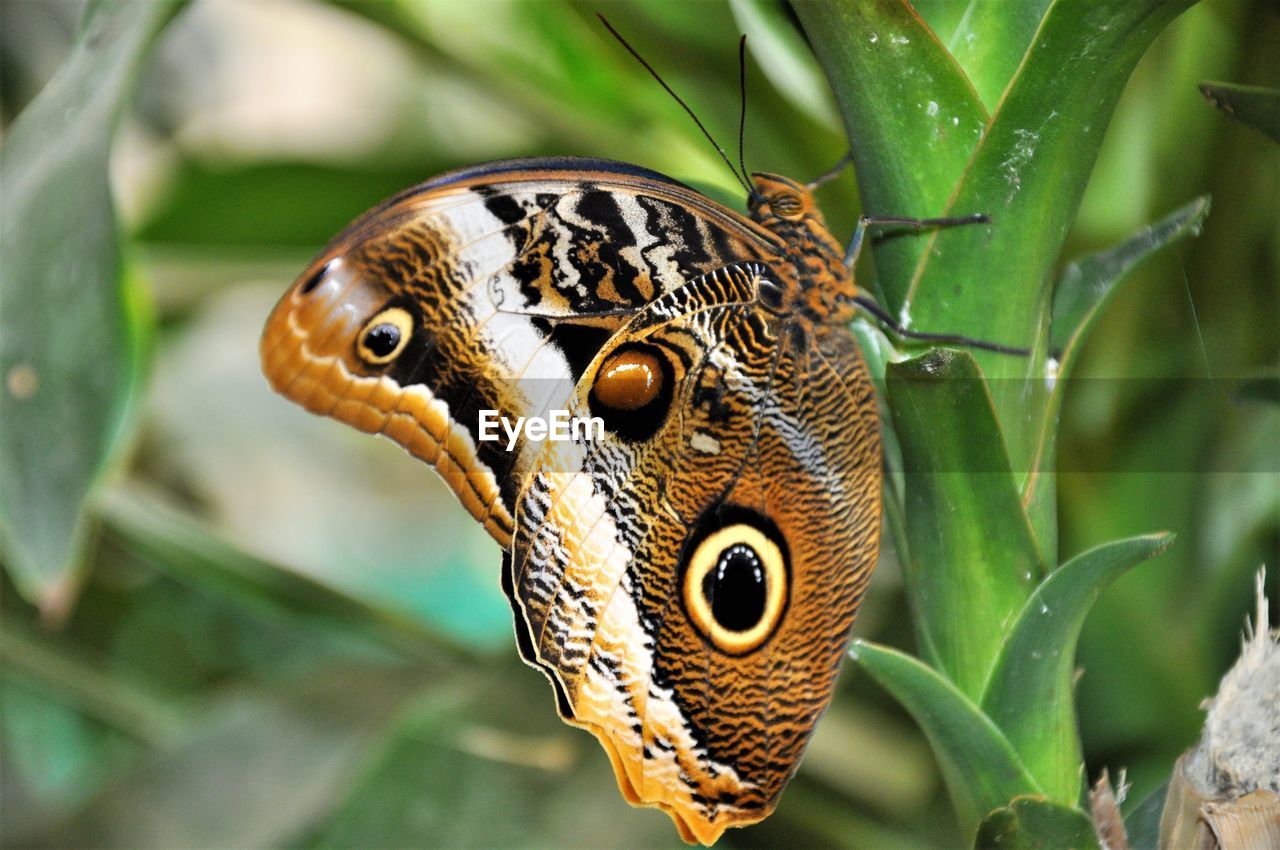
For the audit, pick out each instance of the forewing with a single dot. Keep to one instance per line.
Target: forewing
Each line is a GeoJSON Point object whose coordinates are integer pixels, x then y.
{"type": "Point", "coordinates": [505, 280]}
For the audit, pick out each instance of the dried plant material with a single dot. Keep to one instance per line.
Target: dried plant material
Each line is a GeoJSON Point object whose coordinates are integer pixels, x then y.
{"type": "Point", "coordinates": [1108, 825]}
{"type": "Point", "coordinates": [1225, 793]}
{"type": "Point", "coordinates": [1249, 823]}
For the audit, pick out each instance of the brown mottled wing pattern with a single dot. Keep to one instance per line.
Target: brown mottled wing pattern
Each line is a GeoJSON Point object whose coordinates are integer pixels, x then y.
{"type": "Point", "coordinates": [773, 424]}
{"type": "Point", "coordinates": [509, 277]}
{"type": "Point", "coordinates": [687, 581]}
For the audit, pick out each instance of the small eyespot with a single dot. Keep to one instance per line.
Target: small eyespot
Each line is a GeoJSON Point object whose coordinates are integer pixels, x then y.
{"type": "Point", "coordinates": [385, 336]}
{"type": "Point", "coordinates": [314, 281]}
{"type": "Point", "coordinates": [632, 392]}
{"type": "Point", "coordinates": [735, 588]}
{"type": "Point", "coordinates": [787, 205]}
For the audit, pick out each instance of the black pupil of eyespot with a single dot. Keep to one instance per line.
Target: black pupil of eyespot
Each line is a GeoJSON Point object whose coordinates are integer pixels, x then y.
{"type": "Point", "coordinates": [314, 280]}
{"type": "Point", "coordinates": [735, 588]}
{"type": "Point", "coordinates": [382, 339]}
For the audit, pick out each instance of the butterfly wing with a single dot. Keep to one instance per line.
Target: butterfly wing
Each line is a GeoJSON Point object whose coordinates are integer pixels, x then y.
{"type": "Point", "coordinates": [489, 288]}
{"type": "Point", "coordinates": [632, 566]}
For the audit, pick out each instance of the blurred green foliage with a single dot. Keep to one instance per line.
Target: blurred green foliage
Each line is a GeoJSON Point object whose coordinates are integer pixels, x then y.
{"type": "Point", "coordinates": [285, 634]}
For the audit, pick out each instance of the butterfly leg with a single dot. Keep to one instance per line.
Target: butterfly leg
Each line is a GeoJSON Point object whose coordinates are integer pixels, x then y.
{"type": "Point", "coordinates": [860, 232]}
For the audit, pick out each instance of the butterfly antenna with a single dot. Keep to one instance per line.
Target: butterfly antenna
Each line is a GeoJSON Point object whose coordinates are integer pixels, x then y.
{"type": "Point", "coordinates": [831, 173]}
{"type": "Point", "coordinates": [724, 156]}
{"type": "Point", "coordinates": [742, 114]}
{"type": "Point", "coordinates": [880, 313]}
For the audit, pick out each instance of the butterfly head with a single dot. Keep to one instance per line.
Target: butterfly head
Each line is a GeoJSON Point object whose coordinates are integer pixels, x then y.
{"type": "Point", "coordinates": [779, 202]}
{"type": "Point", "coordinates": [788, 209]}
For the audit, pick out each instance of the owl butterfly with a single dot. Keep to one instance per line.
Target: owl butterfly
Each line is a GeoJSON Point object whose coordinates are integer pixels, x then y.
{"type": "Point", "coordinates": [688, 579]}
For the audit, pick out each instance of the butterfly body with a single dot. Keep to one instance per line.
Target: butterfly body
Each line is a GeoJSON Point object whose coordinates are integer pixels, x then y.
{"type": "Point", "coordinates": [687, 583]}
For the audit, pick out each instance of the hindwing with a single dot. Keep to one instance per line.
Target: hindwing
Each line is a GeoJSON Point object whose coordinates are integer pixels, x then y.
{"type": "Point", "coordinates": [608, 564]}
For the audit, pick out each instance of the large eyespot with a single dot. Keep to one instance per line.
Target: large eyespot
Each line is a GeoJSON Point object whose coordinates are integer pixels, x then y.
{"type": "Point", "coordinates": [787, 205]}
{"type": "Point", "coordinates": [385, 336]}
{"type": "Point", "coordinates": [735, 587]}
{"type": "Point", "coordinates": [629, 380]}
{"type": "Point", "coordinates": [632, 391]}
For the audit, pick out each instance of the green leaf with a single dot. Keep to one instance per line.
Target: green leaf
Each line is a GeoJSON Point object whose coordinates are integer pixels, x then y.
{"type": "Point", "coordinates": [256, 770]}
{"type": "Point", "coordinates": [1256, 106]}
{"type": "Point", "coordinates": [943, 16]}
{"type": "Point", "coordinates": [980, 767]}
{"type": "Point", "coordinates": [450, 763]}
{"type": "Point", "coordinates": [1030, 696]}
{"type": "Point", "coordinates": [1265, 388]}
{"type": "Point", "coordinates": [58, 755]}
{"type": "Point", "coordinates": [80, 683]}
{"type": "Point", "coordinates": [68, 344]}
{"type": "Point", "coordinates": [1028, 173]}
{"type": "Point", "coordinates": [1083, 289]}
{"type": "Point", "coordinates": [1086, 284]}
{"type": "Point", "coordinates": [972, 559]}
{"type": "Point", "coordinates": [912, 117]}
{"type": "Point", "coordinates": [783, 56]}
{"type": "Point", "coordinates": [1034, 824]}
{"type": "Point", "coordinates": [178, 546]}
{"type": "Point", "coordinates": [878, 351]}
{"type": "Point", "coordinates": [990, 39]}
{"type": "Point", "coordinates": [268, 204]}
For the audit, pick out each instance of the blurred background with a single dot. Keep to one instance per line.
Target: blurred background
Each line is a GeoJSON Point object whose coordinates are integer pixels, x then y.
{"type": "Point", "coordinates": [287, 634]}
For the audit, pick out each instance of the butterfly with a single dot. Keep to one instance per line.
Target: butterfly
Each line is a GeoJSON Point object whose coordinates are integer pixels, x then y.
{"type": "Point", "coordinates": [686, 575]}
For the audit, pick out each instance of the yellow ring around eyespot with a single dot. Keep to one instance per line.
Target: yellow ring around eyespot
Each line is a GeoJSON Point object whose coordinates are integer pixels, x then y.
{"type": "Point", "coordinates": [397, 317]}
{"type": "Point", "coordinates": [704, 560]}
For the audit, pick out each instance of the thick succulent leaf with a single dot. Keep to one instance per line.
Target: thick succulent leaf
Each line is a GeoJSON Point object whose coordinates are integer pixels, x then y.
{"type": "Point", "coordinates": [1035, 824]}
{"type": "Point", "coordinates": [989, 41]}
{"type": "Point", "coordinates": [912, 117]}
{"type": "Point", "coordinates": [878, 351]}
{"type": "Point", "coordinates": [973, 560]}
{"type": "Point", "coordinates": [1030, 696]}
{"type": "Point", "coordinates": [944, 17]}
{"type": "Point", "coordinates": [1028, 173]}
{"type": "Point", "coordinates": [981, 768]}
{"type": "Point", "coordinates": [68, 339]}
{"type": "Point", "coordinates": [1082, 291]}
{"type": "Point", "coordinates": [1256, 106]}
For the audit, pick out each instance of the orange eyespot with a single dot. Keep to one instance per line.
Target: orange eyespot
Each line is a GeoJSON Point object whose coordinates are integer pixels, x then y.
{"type": "Point", "coordinates": [787, 205]}
{"type": "Point", "coordinates": [385, 336]}
{"type": "Point", "coordinates": [629, 380]}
